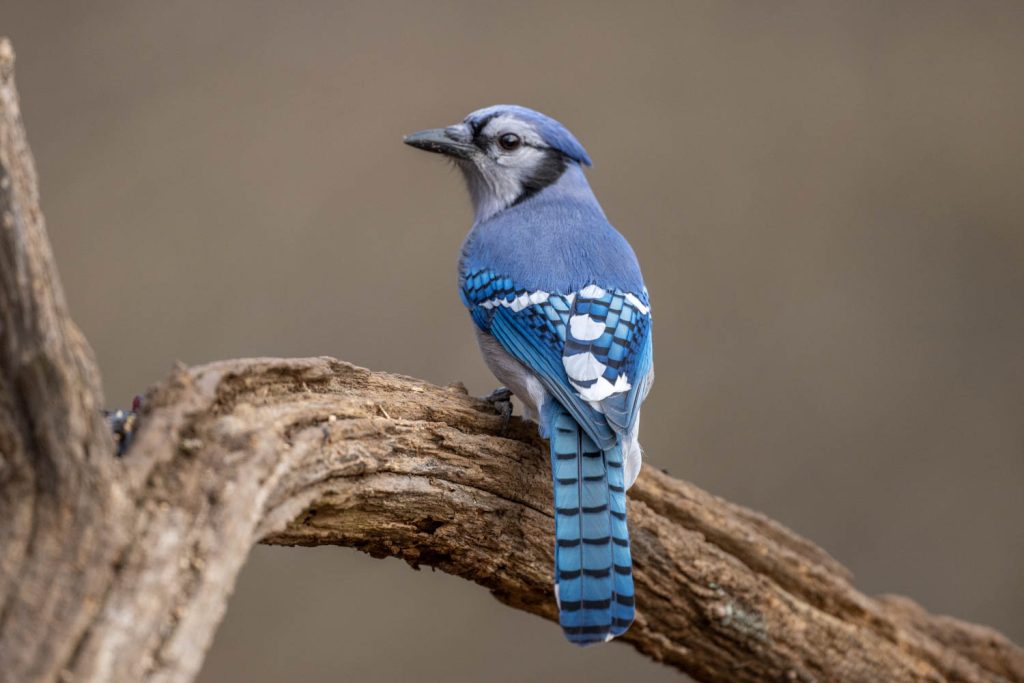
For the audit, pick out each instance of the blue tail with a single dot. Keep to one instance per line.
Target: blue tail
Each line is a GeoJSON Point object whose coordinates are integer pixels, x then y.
{"type": "Point", "coordinates": [593, 569]}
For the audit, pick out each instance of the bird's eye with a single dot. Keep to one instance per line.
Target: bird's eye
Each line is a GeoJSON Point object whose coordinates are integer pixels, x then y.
{"type": "Point", "coordinates": [509, 141]}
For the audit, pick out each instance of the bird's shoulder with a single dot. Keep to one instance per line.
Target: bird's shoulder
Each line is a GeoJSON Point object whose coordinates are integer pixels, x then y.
{"type": "Point", "coordinates": [552, 245]}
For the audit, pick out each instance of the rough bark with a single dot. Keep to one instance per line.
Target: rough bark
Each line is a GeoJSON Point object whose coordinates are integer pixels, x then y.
{"type": "Point", "coordinates": [119, 569]}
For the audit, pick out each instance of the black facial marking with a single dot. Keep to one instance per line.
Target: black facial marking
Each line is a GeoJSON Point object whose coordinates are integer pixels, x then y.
{"type": "Point", "coordinates": [478, 131]}
{"type": "Point", "coordinates": [550, 169]}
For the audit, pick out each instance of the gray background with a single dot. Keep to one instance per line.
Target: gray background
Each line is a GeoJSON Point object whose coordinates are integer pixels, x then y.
{"type": "Point", "coordinates": [826, 198]}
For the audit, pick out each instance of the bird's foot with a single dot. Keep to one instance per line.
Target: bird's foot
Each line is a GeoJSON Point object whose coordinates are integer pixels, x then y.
{"type": "Point", "coordinates": [501, 399]}
{"type": "Point", "coordinates": [123, 423]}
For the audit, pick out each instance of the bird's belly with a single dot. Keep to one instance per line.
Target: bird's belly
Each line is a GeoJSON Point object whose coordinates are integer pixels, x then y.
{"type": "Point", "coordinates": [517, 377]}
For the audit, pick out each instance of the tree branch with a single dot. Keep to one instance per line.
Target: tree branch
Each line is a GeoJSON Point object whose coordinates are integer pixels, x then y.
{"type": "Point", "coordinates": [119, 569]}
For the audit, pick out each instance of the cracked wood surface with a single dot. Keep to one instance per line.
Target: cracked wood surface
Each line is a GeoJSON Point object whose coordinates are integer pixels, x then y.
{"type": "Point", "coordinates": [119, 569]}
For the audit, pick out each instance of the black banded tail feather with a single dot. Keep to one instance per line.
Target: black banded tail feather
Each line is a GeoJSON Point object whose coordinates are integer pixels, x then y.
{"type": "Point", "coordinates": [593, 569]}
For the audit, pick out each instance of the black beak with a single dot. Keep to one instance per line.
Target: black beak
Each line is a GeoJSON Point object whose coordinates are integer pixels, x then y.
{"type": "Point", "coordinates": [452, 141]}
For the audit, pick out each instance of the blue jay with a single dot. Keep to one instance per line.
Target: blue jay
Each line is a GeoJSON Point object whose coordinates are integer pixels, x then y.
{"type": "Point", "coordinates": [564, 321]}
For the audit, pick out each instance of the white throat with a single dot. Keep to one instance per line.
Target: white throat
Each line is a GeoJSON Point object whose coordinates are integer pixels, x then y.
{"type": "Point", "coordinates": [489, 192]}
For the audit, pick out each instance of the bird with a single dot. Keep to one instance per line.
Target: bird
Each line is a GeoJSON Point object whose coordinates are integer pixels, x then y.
{"type": "Point", "coordinates": [563, 320]}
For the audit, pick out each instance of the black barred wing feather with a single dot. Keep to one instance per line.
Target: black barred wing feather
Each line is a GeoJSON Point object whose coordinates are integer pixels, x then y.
{"type": "Point", "coordinates": [608, 352]}
{"type": "Point", "coordinates": [591, 349]}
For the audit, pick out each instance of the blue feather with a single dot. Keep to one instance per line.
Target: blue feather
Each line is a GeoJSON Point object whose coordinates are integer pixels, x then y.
{"type": "Point", "coordinates": [593, 569]}
{"type": "Point", "coordinates": [507, 328]}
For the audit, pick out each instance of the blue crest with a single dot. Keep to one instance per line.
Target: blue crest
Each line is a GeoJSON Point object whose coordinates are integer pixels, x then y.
{"type": "Point", "coordinates": [553, 132]}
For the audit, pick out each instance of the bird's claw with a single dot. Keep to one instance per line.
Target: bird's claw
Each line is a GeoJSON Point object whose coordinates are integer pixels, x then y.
{"type": "Point", "coordinates": [501, 399]}
{"type": "Point", "coordinates": [123, 423]}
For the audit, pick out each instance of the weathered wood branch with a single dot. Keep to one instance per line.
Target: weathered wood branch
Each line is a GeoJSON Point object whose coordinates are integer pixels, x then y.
{"type": "Point", "coordinates": [119, 569]}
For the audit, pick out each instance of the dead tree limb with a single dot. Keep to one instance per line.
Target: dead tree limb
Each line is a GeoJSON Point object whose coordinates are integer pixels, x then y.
{"type": "Point", "coordinates": [119, 569]}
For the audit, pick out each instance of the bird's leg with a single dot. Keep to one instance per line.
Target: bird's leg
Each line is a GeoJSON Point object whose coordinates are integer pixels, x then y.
{"type": "Point", "coordinates": [501, 399]}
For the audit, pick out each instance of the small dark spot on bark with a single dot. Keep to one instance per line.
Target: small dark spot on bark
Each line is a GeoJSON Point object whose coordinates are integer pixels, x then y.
{"type": "Point", "coordinates": [308, 517]}
{"type": "Point", "coordinates": [428, 525]}
{"type": "Point", "coordinates": [429, 558]}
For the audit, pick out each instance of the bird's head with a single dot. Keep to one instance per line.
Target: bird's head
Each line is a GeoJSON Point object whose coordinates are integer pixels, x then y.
{"type": "Point", "coordinates": [506, 152]}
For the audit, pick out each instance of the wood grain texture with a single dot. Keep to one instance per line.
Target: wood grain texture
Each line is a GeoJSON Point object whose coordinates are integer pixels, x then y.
{"type": "Point", "coordinates": [119, 569]}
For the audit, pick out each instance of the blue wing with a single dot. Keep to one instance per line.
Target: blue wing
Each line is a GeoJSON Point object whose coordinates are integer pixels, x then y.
{"type": "Point", "coordinates": [608, 352]}
{"type": "Point", "coordinates": [591, 349]}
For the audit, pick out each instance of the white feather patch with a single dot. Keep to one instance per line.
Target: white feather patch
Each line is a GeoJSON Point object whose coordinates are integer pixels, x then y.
{"type": "Point", "coordinates": [592, 292]}
{"type": "Point", "coordinates": [585, 328]}
{"type": "Point", "coordinates": [519, 303]}
{"type": "Point", "coordinates": [583, 367]}
{"type": "Point", "coordinates": [539, 297]}
{"type": "Point", "coordinates": [602, 388]}
{"type": "Point", "coordinates": [637, 304]}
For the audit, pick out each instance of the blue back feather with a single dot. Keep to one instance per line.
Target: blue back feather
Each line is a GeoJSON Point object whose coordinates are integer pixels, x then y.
{"type": "Point", "coordinates": [557, 240]}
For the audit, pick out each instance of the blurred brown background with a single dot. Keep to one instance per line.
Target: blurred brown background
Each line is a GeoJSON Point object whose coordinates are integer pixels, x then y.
{"type": "Point", "coordinates": [827, 200]}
